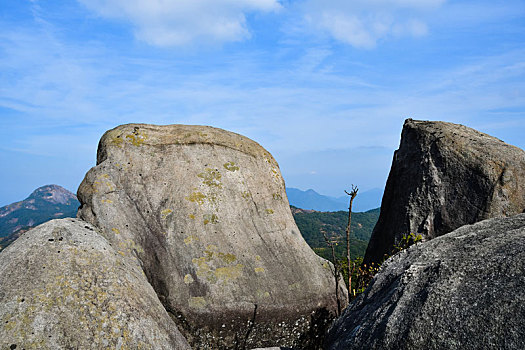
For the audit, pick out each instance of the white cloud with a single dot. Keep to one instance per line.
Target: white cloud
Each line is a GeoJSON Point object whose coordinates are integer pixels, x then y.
{"type": "Point", "coordinates": [179, 22]}
{"type": "Point", "coordinates": [362, 23]}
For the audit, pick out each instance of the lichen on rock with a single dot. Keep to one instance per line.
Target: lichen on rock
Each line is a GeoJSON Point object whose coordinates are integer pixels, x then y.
{"type": "Point", "coordinates": [229, 243]}
{"type": "Point", "coordinates": [63, 286]}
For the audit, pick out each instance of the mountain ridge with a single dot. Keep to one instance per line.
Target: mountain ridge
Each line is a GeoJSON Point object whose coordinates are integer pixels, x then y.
{"type": "Point", "coordinates": [43, 204]}
{"type": "Point", "coordinates": [312, 200]}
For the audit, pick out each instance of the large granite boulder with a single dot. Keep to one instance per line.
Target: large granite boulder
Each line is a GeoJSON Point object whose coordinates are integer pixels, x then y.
{"type": "Point", "coordinates": [463, 290]}
{"type": "Point", "coordinates": [206, 214]}
{"type": "Point", "coordinates": [63, 286]}
{"type": "Point", "coordinates": [444, 176]}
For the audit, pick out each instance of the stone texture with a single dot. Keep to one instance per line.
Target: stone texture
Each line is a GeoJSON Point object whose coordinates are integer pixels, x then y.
{"type": "Point", "coordinates": [463, 290]}
{"type": "Point", "coordinates": [63, 286]}
{"type": "Point", "coordinates": [206, 214]}
{"type": "Point", "coordinates": [444, 176]}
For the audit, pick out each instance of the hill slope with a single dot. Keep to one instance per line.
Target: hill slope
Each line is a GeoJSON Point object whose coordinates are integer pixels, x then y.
{"type": "Point", "coordinates": [45, 203]}
{"type": "Point", "coordinates": [311, 223]}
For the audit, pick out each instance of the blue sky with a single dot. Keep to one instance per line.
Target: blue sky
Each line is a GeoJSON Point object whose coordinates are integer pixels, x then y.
{"type": "Point", "coordinates": [323, 85]}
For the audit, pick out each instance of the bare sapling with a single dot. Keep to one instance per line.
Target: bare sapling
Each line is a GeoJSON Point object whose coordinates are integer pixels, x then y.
{"type": "Point", "coordinates": [352, 195]}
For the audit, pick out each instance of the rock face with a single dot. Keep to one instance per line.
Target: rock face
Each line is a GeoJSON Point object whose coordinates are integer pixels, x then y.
{"type": "Point", "coordinates": [63, 286]}
{"type": "Point", "coordinates": [463, 290]}
{"type": "Point", "coordinates": [206, 214]}
{"type": "Point", "coordinates": [444, 176]}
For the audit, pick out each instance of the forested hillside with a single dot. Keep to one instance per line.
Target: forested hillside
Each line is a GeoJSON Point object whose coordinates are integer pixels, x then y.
{"type": "Point", "coordinates": [313, 223]}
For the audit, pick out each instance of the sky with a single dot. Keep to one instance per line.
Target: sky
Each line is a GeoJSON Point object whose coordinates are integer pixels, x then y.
{"type": "Point", "coordinates": [323, 85]}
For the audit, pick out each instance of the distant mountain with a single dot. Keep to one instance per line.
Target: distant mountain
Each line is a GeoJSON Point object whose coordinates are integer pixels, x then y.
{"type": "Point", "coordinates": [310, 199]}
{"type": "Point", "coordinates": [365, 200]}
{"type": "Point", "coordinates": [45, 203]}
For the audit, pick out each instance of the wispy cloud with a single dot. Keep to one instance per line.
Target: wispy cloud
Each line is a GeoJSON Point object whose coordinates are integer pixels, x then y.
{"type": "Point", "coordinates": [363, 23]}
{"type": "Point", "coordinates": [174, 23]}
{"type": "Point", "coordinates": [303, 101]}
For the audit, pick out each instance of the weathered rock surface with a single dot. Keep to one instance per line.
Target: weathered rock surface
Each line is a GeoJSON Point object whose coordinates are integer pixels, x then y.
{"type": "Point", "coordinates": [463, 290]}
{"type": "Point", "coordinates": [206, 214]}
{"type": "Point", "coordinates": [63, 286]}
{"type": "Point", "coordinates": [444, 176]}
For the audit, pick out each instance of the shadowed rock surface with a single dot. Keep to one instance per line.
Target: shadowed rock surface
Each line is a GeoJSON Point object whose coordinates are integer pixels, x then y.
{"type": "Point", "coordinates": [463, 290]}
{"type": "Point", "coordinates": [63, 286]}
{"type": "Point", "coordinates": [444, 176]}
{"type": "Point", "coordinates": [206, 214]}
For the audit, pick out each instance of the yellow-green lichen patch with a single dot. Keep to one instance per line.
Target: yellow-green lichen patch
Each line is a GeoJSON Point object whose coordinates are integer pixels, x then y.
{"type": "Point", "coordinates": [209, 252]}
{"type": "Point", "coordinates": [101, 182]}
{"type": "Point", "coordinates": [96, 294]}
{"type": "Point", "coordinates": [294, 286]}
{"type": "Point", "coordinates": [257, 258]}
{"type": "Point", "coordinates": [116, 230]}
{"type": "Point", "coordinates": [210, 249]}
{"type": "Point", "coordinates": [228, 258]}
{"type": "Point", "coordinates": [210, 219]}
{"type": "Point", "coordinates": [191, 216]}
{"type": "Point", "coordinates": [269, 211]}
{"type": "Point", "coordinates": [136, 138]}
{"type": "Point", "coordinates": [262, 294]}
{"type": "Point", "coordinates": [106, 201]}
{"type": "Point", "coordinates": [116, 140]}
{"type": "Point", "coordinates": [229, 272]}
{"type": "Point", "coordinates": [213, 198]}
{"type": "Point", "coordinates": [203, 269]}
{"type": "Point", "coordinates": [197, 302]}
{"type": "Point", "coordinates": [124, 166]}
{"type": "Point", "coordinates": [246, 195]}
{"type": "Point", "coordinates": [188, 279]}
{"type": "Point", "coordinates": [164, 214]}
{"type": "Point", "coordinates": [230, 166]}
{"type": "Point", "coordinates": [190, 239]}
{"type": "Point", "coordinates": [326, 265]}
{"type": "Point", "coordinates": [259, 269]}
{"type": "Point", "coordinates": [129, 245]}
{"type": "Point", "coordinates": [216, 266]}
{"type": "Point", "coordinates": [277, 196]}
{"type": "Point", "coordinates": [212, 252]}
{"type": "Point", "coordinates": [211, 177]}
{"type": "Point", "coordinates": [196, 197]}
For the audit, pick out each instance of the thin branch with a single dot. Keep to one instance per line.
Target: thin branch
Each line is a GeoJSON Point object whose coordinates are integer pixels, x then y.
{"type": "Point", "coordinates": [352, 194]}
